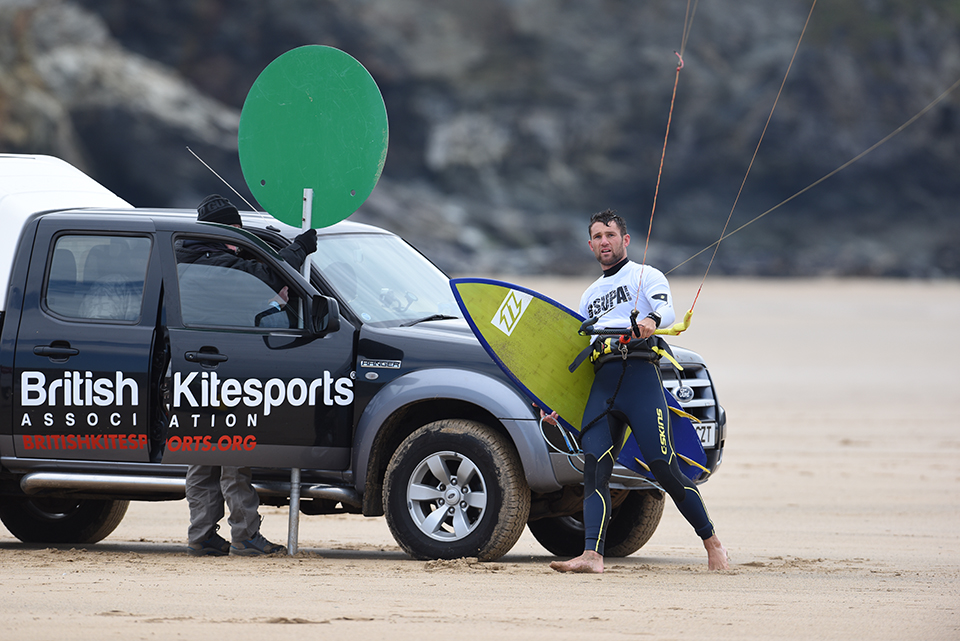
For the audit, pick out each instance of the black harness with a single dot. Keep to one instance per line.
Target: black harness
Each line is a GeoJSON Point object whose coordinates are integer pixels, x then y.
{"type": "Point", "coordinates": [615, 344]}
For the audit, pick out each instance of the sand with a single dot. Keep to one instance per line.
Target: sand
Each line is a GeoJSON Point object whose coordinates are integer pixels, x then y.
{"type": "Point", "coordinates": [838, 499]}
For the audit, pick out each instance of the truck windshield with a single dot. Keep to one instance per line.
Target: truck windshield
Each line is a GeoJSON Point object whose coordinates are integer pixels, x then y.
{"type": "Point", "coordinates": [383, 280]}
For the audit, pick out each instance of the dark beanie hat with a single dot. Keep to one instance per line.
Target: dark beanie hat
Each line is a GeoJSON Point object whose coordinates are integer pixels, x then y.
{"type": "Point", "coordinates": [217, 209]}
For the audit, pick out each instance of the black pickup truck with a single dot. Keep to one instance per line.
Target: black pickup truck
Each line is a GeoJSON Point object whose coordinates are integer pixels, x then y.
{"type": "Point", "coordinates": [116, 373]}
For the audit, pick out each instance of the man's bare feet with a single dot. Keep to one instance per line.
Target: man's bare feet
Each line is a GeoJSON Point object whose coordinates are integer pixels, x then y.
{"type": "Point", "coordinates": [716, 554]}
{"type": "Point", "coordinates": [587, 563]}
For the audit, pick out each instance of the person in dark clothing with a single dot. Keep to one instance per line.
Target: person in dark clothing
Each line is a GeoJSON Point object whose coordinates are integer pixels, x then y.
{"type": "Point", "coordinates": [207, 300]}
{"type": "Point", "coordinates": [217, 209]}
{"type": "Point", "coordinates": [213, 287]}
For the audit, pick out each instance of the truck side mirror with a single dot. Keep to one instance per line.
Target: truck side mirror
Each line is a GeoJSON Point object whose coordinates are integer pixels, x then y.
{"type": "Point", "coordinates": [324, 316]}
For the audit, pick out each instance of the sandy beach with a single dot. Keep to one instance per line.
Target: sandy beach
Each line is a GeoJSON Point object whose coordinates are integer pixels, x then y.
{"type": "Point", "coordinates": [838, 500]}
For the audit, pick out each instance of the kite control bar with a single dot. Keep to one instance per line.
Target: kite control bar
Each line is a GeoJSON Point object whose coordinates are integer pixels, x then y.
{"type": "Point", "coordinates": [587, 328]}
{"type": "Point", "coordinates": [625, 336]}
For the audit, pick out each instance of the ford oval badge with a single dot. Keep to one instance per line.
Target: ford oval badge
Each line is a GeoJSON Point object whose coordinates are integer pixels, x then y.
{"type": "Point", "coordinates": [684, 394]}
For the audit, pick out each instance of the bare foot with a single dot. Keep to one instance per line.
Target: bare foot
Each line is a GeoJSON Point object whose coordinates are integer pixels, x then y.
{"type": "Point", "coordinates": [716, 554]}
{"type": "Point", "coordinates": [587, 563]}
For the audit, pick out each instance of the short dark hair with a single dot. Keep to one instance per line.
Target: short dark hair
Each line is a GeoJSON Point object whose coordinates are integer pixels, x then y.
{"type": "Point", "coordinates": [606, 217]}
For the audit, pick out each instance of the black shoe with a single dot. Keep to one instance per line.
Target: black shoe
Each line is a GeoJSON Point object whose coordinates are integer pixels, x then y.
{"type": "Point", "coordinates": [214, 545]}
{"type": "Point", "coordinates": [256, 546]}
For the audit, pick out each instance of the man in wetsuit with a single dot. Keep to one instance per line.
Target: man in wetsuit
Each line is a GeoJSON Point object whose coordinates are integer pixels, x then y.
{"type": "Point", "coordinates": [638, 398]}
{"type": "Point", "coordinates": [210, 486]}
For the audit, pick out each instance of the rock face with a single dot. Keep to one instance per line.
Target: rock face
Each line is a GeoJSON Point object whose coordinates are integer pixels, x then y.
{"type": "Point", "coordinates": [511, 120]}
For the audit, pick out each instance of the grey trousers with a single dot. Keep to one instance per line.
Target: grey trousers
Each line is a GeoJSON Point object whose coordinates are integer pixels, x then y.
{"type": "Point", "coordinates": [208, 487]}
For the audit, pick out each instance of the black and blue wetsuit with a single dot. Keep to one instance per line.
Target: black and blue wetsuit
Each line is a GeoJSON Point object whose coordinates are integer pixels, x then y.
{"type": "Point", "coordinates": [638, 401]}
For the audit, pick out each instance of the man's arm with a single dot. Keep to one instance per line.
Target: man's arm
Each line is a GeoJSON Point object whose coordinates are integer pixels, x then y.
{"type": "Point", "coordinates": [656, 290]}
{"type": "Point", "coordinates": [301, 247]}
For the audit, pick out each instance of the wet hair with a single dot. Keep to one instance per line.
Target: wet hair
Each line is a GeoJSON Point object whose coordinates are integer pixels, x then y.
{"type": "Point", "coordinates": [606, 217]}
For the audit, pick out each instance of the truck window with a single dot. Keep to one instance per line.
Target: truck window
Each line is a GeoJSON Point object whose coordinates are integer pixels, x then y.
{"type": "Point", "coordinates": [97, 277]}
{"type": "Point", "coordinates": [221, 288]}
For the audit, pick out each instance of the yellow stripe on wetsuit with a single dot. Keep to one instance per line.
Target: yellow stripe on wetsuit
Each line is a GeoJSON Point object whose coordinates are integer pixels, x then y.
{"type": "Point", "coordinates": [606, 516]}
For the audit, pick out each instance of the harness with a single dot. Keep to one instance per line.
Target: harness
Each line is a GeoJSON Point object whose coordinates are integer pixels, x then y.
{"type": "Point", "coordinates": [619, 344]}
{"type": "Point", "coordinates": [650, 349]}
{"type": "Point", "coordinates": [604, 350]}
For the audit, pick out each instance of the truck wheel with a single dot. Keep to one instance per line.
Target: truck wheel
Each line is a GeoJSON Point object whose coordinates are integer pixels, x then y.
{"type": "Point", "coordinates": [56, 520]}
{"type": "Point", "coordinates": [454, 489]}
{"type": "Point", "coordinates": [631, 525]}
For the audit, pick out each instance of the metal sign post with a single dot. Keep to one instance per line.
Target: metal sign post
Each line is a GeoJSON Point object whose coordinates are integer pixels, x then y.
{"type": "Point", "coordinates": [293, 525]}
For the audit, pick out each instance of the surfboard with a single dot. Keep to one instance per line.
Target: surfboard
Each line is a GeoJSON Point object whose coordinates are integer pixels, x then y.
{"type": "Point", "coordinates": [534, 339]}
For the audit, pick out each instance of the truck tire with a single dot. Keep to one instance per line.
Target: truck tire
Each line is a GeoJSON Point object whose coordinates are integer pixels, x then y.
{"type": "Point", "coordinates": [631, 525]}
{"type": "Point", "coordinates": [455, 489]}
{"type": "Point", "coordinates": [56, 520]}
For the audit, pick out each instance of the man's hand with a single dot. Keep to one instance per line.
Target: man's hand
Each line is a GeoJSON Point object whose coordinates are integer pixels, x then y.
{"type": "Point", "coordinates": [647, 327]}
{"type": "Point", "coordinates": [552, 418]}
{"type": "Point", "coordinates": [282, 297]}
{"type": "Point", "coordinates": [307, 240]}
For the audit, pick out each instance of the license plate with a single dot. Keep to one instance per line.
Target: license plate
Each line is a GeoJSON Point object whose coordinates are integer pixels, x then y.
{"type": "Point", "coordinates": [708, 434]}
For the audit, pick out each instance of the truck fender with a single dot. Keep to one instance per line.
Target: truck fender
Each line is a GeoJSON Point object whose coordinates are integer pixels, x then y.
{"type": "Point", "coordinates": [513, 410]}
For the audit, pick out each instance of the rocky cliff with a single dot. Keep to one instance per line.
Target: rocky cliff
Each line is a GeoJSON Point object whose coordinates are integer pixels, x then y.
{"type": "Point", "coordinates": [511, 120]}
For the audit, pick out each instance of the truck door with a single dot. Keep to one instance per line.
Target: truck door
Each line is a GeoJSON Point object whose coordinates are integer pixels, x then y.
{"type": "Point", "coordinates": [84, 343]}
{"type": "Point", "coordinates": [248, 385]}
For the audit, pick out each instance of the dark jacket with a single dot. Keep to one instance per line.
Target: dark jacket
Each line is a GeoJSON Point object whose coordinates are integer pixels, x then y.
{"type": "Point", "coordinates": [216, 288]}
{"type": "Point", "coordinates": [208, 252]}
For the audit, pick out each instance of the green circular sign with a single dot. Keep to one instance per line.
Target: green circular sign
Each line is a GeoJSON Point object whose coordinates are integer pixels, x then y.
{"type": "Point", "coordinates": [314, 119]}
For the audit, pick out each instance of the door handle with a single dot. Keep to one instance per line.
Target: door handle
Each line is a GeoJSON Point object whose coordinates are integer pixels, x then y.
{"type": "Point", "coordinates": [205, 357]}
{"type": "Point", "coordinates": [55, 352]}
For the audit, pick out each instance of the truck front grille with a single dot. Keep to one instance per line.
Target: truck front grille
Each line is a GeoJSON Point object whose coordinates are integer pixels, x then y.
{"type": "Point", "coordinates": [693, 390]}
